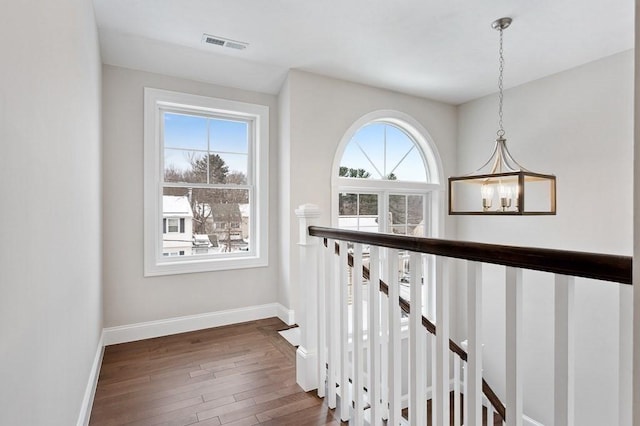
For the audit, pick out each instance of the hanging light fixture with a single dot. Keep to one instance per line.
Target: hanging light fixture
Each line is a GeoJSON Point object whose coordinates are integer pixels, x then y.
{"type": "Point", "coordinates": [501, 186]}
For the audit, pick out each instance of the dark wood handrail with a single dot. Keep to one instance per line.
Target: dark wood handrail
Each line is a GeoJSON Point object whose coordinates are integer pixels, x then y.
{"type": "Point", "coordinates": [405, 305]}
{"type": "Point", "coordinates": [605, 267]}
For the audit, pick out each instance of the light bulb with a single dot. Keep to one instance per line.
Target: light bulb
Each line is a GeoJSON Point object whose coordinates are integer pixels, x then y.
{"type": "Point", "coordinates": [505, 196]}
{"type": "Point", "coordinates": [487, 196]}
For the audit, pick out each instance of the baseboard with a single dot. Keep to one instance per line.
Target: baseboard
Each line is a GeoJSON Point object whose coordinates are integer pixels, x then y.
{"type": "Point", "coordinates": [90, 391]}
{"type": "Point", "coordinates": [165, 327]}
{"type": "Point", "coordinates": [286, 315]}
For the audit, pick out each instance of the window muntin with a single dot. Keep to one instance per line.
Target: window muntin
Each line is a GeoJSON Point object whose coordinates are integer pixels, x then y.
{"type": "Point", "coordinates": [383, 151]}
{"type": "Point", "coordinates": [208, 159]}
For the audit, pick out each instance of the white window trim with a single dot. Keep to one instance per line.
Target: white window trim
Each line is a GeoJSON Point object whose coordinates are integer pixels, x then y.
{"type": "Point", "coordinates": [430, 155]}
{"type": "Point", "coordinates": [154, 263]}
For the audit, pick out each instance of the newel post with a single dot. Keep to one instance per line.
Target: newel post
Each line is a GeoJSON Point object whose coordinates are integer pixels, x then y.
{"type": "Point", "coordinates": [307, 353]}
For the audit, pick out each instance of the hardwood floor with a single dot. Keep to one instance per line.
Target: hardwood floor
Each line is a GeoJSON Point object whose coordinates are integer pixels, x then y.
{"type": "Point", "coordinates": [242, 374]}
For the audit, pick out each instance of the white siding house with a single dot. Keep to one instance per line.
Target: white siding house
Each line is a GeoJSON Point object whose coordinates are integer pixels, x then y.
{"type": "Point", "coordinates": [177, 223]}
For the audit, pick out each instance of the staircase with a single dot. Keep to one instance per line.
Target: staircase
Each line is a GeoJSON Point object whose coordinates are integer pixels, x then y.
{"type": "Point", "coordinates": [382, 355]}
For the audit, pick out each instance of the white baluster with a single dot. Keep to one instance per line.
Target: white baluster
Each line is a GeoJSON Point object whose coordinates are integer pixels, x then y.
{"type": "Point", "coordinates": [474, 344]}
{"type": "Point", "coordinates": [323, 271]}
{"type": "Point", "coordinates": [465, 392]}
{"type": "Point", "coordinates": [442, 341]}
{"type": "Point", "coordinates": [333, 327]}
{"type": "Point", "coordinates": [434, 374]}
{"type": "Point", "coordinates": [345, 398]}
{"type": "Point", "coordinates": [417, 346]}
{"type": "Point", "coordinates": [456, 390]}
{"type": "Point", "coordinates": [358, 337]}
{"type": "Point", "coordinates": [394, 371]}
{"type": "Point", "coordinates": [625, 372]}
{"type": "Point", "coordinates": [375, 418]}
{"type": "Point", "coordinates": [513, 339]}
{"type": "Point", "coordinates": [564, 352]}
{"type": "Point", "coordinates": [384, 341]}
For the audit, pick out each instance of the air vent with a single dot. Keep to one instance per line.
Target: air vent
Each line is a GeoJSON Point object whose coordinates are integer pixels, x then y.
{"type": "Point", "coordinates": [223, 42]}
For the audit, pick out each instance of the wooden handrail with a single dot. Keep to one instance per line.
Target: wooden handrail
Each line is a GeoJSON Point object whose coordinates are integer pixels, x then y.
{"type": "Point", "coordinates": [405, 305]}
{"type": "Point", "coordinates": [605, 267]}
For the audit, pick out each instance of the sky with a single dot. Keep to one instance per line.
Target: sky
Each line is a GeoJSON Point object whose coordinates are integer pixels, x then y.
{"type": "Point", "coordinates": [188, 135]}
{"type": "Point", "coordinates": [381, 149]}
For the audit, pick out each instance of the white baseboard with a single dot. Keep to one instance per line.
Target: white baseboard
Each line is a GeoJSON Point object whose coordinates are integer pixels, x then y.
{"type": "Point", "coordinates": [90, 391]}
{"type": "Point", "coordinates": [165, 327]}
{"type": "Point", "coordinates": [286, 315]}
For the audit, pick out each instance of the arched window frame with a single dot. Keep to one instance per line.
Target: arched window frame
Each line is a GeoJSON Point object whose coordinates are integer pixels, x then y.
{"type": "Point", "coordinates": [430, 156]}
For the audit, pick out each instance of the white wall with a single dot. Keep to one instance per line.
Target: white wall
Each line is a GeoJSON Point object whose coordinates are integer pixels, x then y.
{"type": "Point", "coordinates": [50, 290]}
{"type": "Point", "coordinates": [129, 298]}
{"type": "Point", "coordinates": [578, 125]}
{"type": "Point", "coordinates": [321, 111]}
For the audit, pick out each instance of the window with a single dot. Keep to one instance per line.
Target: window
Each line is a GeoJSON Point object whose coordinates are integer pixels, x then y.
{"type": "Point", "coordinates": [386, 178]}
{"type": "Point", "coordinates": [206, 164]}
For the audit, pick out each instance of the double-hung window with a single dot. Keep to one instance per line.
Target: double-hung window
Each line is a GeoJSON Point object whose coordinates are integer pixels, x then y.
{"type": "Point", "coordinates": [206, 183]}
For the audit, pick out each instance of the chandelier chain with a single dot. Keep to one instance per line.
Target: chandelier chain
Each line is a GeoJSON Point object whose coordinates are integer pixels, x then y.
{"type": "Point", "coordinates": [500, 132]}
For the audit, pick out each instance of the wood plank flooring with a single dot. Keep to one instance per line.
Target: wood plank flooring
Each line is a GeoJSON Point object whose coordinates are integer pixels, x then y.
{"type": "Point", "coordinates": [242, 374]}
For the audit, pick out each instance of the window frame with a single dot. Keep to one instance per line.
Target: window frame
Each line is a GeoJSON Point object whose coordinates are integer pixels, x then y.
{"type": "Point", "coordinates": [433, 165]}
{"type": "Point", "coordinates": [157, 101]}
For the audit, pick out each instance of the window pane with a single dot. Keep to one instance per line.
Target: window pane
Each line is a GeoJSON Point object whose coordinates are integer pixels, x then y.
{"type": "Point", "coordinates": [415, 209]}
{"type": "Point", "coordinates": [236, 163]}
{"type": "Point", "coordinates": [398, 209]}
{"type": "Point", "coordinates": [383, 151]}
{"type": "Point", "coordinates": [347, 204]}
{"type": "Point", "coordinates": [229, 136]}
{"type": "Point", "coordinates": [185, 131]}
{"type": "Point", "coordinates": [180, 166]}
{"type": "Point", "coordinates": [215, 221]}
{"type": "Point", "coordinates": [358, 212]}
{"type": "Point", "coordinates": [368, 204]}
{"type": "Point", "coordinates": [399, 229]}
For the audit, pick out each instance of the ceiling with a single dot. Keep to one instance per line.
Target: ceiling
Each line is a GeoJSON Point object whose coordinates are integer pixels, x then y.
{"type": "Point", "coordinates": [443, 50]}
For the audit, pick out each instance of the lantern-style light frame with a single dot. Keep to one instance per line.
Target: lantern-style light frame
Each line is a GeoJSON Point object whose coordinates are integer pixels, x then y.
{"type": "Point", "coordinates": [501, 186]}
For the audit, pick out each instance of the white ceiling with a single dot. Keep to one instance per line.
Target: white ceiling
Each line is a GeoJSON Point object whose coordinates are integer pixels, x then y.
{"type": "Point", "coordinates": [443, 50]}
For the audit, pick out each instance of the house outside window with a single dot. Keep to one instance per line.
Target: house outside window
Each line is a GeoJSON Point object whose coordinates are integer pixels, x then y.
{"type": "Point", "coordinates": [206, 163]}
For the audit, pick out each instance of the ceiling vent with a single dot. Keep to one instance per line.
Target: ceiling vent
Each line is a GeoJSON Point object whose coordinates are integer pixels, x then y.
{"type": "Point", "coordinates": [224, 42]}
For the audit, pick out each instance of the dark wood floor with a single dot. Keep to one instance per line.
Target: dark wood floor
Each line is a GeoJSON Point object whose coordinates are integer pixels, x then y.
{"type": "Point", "coordinates": [243, 374]}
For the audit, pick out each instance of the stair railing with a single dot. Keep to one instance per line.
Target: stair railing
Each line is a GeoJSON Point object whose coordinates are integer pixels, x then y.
{"type": "Point", "coordinates": [376, 359]}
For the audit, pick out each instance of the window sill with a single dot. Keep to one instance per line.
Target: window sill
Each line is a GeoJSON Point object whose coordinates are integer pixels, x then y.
{"type": "Point", "coordinates": [184, 266]}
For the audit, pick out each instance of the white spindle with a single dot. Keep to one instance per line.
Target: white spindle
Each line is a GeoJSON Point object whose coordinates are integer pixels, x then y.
{"type": "Point", "coordinates": [474, 344]}
{"type": "Point", "coordinates": [358, 337]}
{"type": "Point", "coordinates": [384, 342]}
{"type": "Point", "coordinates": [374, 386]}
{"type": "Point", "coordinates": [442, 341]}
{"type": "Point", "coordinates": [417, 346]}
{"type": "Point", "coordinates": [333, 324]}
{"type": "Point", "coordinates": [394, 371]}
{"type": "Point", "coordinates": [465, 392]}
{"type": "Point", "coordinates": [323, 271]}
{"type": "Point", "coordinates": [343, 288]}
{"type": "Point", "coordinates": [513, 301]}
{"type": "Point", "coordinates": [434, 370]}
{"type": "Point", "coordinates": [564, 352]}
{"type": "Point", "coordinates": [625, 372]}
{"type": "Point", "coordinates": [456, 391]}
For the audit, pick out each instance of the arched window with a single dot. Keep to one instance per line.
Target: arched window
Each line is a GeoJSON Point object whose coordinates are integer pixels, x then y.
{"type": "Point", "coordinates": [387, 177]}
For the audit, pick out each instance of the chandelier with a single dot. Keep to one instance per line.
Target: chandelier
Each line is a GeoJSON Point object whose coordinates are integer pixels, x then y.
{"type": "Point", "coordinates": [501, 186]}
